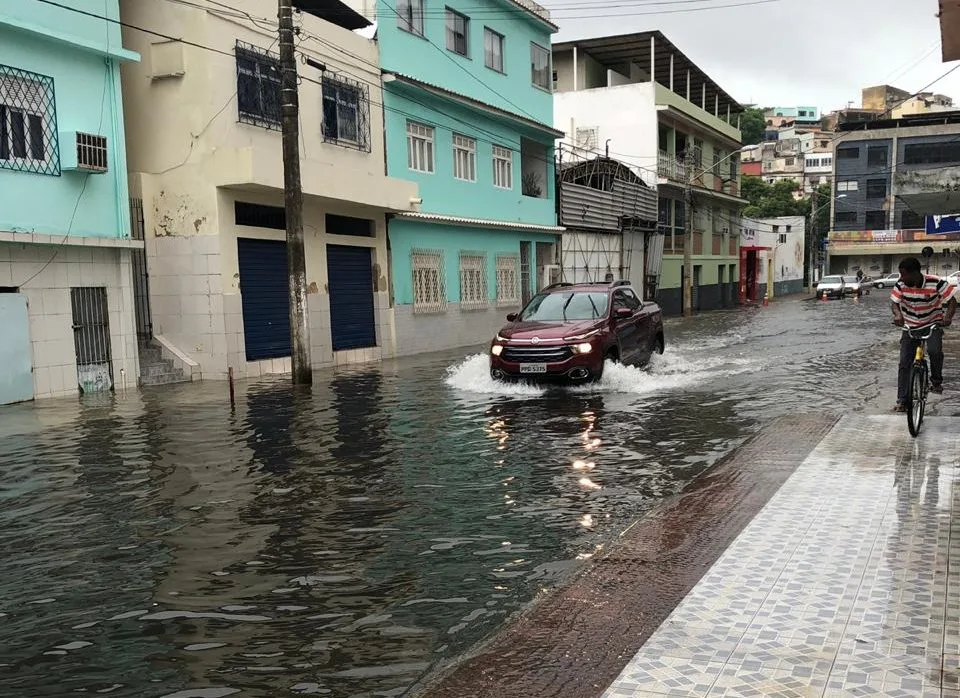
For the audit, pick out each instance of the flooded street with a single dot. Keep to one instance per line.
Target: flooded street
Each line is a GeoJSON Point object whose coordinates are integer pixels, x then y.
{"type": "Point", "coordinates": [341, 542]}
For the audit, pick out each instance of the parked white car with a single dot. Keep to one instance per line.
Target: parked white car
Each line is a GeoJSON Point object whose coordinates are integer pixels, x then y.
{"type": "Point", "coordinates": [888, 281]}
{"type": "Point", "coordinates": [831, 287]}
{"type": "Point", "coordinates": [953, 278]}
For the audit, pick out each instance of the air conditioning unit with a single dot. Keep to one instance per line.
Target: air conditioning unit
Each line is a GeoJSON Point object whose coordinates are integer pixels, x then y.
{"type": "Point", "coordinates": [551, 275]}
{"type": "Point", "coordinates": [83, 152]}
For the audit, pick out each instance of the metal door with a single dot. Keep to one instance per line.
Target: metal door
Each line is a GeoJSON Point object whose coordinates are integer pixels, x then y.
{"type": "Point", "coordinates": [697, 273]}
{"type": "Point", "coordinates": [91, 338]}
{"type": "Point", "coordinates": [16, 372]}
{"type": "Point", "coordinates": [264, 298]}
{"type": "Point", "coordinates": [353, 322]}
{"type": "Point", "coordinates": [141, 279]}
{"type": "Point", "coordinates": [525, 273]}
{"type": "Point", "coordinates": [722, 284]}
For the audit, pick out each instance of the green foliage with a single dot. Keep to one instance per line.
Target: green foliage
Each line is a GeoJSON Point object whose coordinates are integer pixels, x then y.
{"type": "Point", "coordinates": [752, 125]}
{"type": "Point", "coordinates": [772, 200]}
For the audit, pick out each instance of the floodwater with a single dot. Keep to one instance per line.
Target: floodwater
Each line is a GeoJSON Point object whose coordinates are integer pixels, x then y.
{"type": "Point", "coordinates": [344, 541]}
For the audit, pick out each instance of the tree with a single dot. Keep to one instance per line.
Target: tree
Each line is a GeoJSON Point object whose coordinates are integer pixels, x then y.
{"type": "Point", "coordinates": [772, 200]}
{"type": "Point", "coordinates": [753, 123]}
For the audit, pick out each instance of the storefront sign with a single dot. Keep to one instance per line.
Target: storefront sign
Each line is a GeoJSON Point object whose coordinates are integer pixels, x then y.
{"type": "Point", "coordinates": [853, 237]}
{"type": "Point", "coordinates": [943, 225]}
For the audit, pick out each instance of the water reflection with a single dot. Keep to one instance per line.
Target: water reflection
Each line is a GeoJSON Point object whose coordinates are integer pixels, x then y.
{"type": "Point", "coordinates": [342, 540]}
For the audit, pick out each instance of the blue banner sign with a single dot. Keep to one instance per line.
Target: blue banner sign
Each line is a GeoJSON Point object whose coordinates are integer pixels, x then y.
{"type": "Point", "coordinates": [943, 225]}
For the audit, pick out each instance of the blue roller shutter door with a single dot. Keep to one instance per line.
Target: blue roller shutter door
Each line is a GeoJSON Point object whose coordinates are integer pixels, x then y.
{"type": "Point", "coordinates": [263, 292]}
{"type": "Point", "coordinates": [350, 280]}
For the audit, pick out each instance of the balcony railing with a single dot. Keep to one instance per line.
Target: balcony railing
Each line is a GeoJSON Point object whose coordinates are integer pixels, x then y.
{"type": "Point", "coordinates": [669, 167]}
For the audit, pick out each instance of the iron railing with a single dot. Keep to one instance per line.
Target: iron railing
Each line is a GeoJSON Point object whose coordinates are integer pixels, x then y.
{"type": "Point", "coordinates": [29, 140]}
{"type": "Point", "coordinates": [258, 86]}
{"type": "Point", "coordinates": [346, 112]}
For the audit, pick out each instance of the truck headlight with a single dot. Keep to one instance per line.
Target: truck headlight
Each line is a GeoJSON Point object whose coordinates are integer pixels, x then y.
{"type": "Point", "coordinates": [584, 348]}
{"type": "Point", "coordinates": [496, 349]}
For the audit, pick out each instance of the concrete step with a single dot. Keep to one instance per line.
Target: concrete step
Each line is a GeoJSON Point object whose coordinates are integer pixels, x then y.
{"type": "Point", "coordinates": [157, 368]}
{"type": "Point", "coordinates": [150, 353]}
{"type": "Point", "coordinates": [175, 376]}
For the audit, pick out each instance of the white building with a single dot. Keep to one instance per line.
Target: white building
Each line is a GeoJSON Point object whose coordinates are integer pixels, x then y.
{"type": "Point", "coordinates": [204, 155]}
{"type": "Point", "coordinates": [817, 170]}
{"type": "Point", "coordinates": [774, 252]}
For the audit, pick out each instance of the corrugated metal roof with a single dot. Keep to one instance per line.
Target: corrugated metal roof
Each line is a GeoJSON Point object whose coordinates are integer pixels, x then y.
{"type": "Point", "coordinates": [481, 222]}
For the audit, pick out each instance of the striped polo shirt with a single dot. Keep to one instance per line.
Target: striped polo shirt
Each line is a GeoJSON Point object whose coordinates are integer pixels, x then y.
{"type": "Point", "coordinates": [922, 307]}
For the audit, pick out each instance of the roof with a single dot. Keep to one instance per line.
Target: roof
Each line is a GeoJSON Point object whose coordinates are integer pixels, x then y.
{"type": "Point", "coordinates": [937, 118]}
{"type": "Point", "coordinates": [622, 48]}
{"type": "Point", "coordinates": [459, 97]}
{"type": "Point", "coordinates": [482, 222]}
{"type": "Point", "coordinates": [335, 12]}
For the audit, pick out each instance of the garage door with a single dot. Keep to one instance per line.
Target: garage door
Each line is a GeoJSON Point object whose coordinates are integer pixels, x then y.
{"type": "Point", "coordinates": [16, 377]}
{"type": "Point", "coordinates": [350, 280]}
{"type": "Point", "coordinates": [263, 293]}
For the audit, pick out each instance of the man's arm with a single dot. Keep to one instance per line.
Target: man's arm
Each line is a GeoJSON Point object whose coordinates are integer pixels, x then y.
{"type": "Point", "coordinates": [951, 309]}
{"type": "Point", "coordinates": [898, 316]}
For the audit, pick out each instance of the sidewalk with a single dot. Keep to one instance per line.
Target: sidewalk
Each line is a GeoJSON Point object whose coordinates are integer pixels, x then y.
{"type": "Point", "coordinates": [842, 585]}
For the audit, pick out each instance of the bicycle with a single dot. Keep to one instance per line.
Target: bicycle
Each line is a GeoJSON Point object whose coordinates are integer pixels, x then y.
{"type": "Point", "coordinates": [919, 381]}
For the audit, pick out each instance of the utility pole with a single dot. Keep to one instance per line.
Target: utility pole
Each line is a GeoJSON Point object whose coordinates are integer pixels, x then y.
{"type": "Point", "coordinates": [293, 202]}
{"type": "Point", "coordinates": [812, 246]}
{"type": "Point", "coordinates": [689, 162]}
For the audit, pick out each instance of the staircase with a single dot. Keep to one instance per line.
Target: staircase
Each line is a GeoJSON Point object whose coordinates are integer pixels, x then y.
{"type": "Point", "coordinates": [156, 370]}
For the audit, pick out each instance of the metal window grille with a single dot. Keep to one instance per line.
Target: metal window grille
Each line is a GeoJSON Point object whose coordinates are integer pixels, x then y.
{"type": "Point", "coordinates": [92, 152]}
{"type": "Point", "coordinates": [28, 122]}
{"type": "Point", "coordinates": [464, 158]}
{"type": "Point", "coordinates": [473, 281]}
{"type": "Point", "coordinates": [346, 112]}
{"type": "Point", "coordinates": [141, 279]}
{"type": "Point", "coordinates": [502, 167]}
{"type": "Point", "coordinates": [508, 280]}
{"type": "Point", "coordinates": [429, 287]}
{"type": "Point", "coordinates": [91, 334]}
{"type": "Point", "coordinates": [419, 147]}
{"type": "Point", "coordinates": [258, 86]}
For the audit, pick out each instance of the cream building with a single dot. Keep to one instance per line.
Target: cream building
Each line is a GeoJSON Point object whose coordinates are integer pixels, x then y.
{"type": "Point", "coordinates": [203, 133]}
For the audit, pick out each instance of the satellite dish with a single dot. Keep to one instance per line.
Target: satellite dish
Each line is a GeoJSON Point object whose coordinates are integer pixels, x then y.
{"type": "Point", "coordinates": [927, 252]}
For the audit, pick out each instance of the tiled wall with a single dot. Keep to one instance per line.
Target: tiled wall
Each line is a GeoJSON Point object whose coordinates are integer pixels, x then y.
{"type": "Point", "coordinates": [51, 318]}
{"type": "Point", "coordinates": [418, 333]}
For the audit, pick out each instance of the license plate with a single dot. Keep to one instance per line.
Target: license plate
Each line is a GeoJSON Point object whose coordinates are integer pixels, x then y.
{"type": "Point", "coordinates": [533, 368]}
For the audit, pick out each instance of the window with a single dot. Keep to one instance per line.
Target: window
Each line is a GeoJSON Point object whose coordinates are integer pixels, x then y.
{"type": "Point", "coordinates": [419, 147]}
{"type": "Point", "coordinates": [849, 185]}
{"type": "Point", "coordinates": [429, 294]}
{"type": "Point", "coordinates": [876, 189]}
{"type": "Point", "coordinates": [540, 66]}
{"type": "Point", "coordinates": [502, 167]}
{"type": "Point", "coordinates": [848, 153]}
{"type": "Point", "coordinates": [827, 162]}
{"type": "Point", "coordinates": [473, 280]}
{"type": "Point", "coordinates": [464, 158]}
{"type": "Point", "coordinates": [556, 80]}
{"type": "Point", "coordinates": [911, 220]}
{"type": "Point", "coordinates": [348, 225]}
{"type": "Point", "coordinates": [846, 217]}
{"type": "Point", "coordinates": [259, 216]}
{"type": "Point", "coordinates": [877, 156]}
{"type": "Point", "coordinates": [345, 112]}
{"type": "Point", "coordinates": [716, 163]}
{"type": "Point", "coordinates": [783, 238]}
{"type": "Point", "coordinates": [789, 228]}
{"type": "Point", "coordinates": [698, 152]}
{"type": "Point", "coordinates": [813, 163]}
{"type": "Point", "coordinates": [457, 32]}
{"type": "Point", "coordinates": [508, 280]}
{"type": "Point", "coordinates": [625, 298]}
{"type": "Point", "coordinates": [776, 228]}
{"type": "Point", "coordinates": [410, 16]}
{"type": "Point", "coordinates": [28, 122]}
{"type": "Point", "coordinates": [876, 220]}
{"type": "Point", "coordinates": [931, 153]}
{"type": "Point", "coordinates": [258, 86]}
{"type": "Point", "coordinates": [493, 49]}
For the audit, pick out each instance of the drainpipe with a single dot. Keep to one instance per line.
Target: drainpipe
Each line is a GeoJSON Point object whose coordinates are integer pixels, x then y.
{"type": "Point", "coordinates": [575, 69]}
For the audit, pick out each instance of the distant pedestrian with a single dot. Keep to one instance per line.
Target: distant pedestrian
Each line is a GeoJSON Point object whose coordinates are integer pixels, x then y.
{"type": "Point", "coordinates": [859, 274]}
{"type": "Point", "coordinates": [918, 301]}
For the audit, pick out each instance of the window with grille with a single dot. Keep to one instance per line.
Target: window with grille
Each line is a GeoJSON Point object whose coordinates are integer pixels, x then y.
{"type": "Point", "coordinates": [429, 293]}
{"type": "Point", "coordinates": [346, 112]}
{"type": "Point", "coordinates": [508, 280]}
{"type": "Point", "coordinates": [877, 156]}
{"type": "Point", "coordinates": [876, 220]}
{"type": "Point", "coordinates": [493, 49]}
{"type": "Point", "coordinates": [419, 147]}
{"type": "Point", "coordinates": [410, 16]}
{"type": "Point", "coordinates": [464, 158]}
{"type": "Point", "coordinates": [502, 167]}
{"type": "Point", "coordinates": [258, 86]}
{"type": "Point", "coordinates": [876, 188]}
{"type": "Point", "coordinates": [28, 122]}
{"type": "Point", "coordinates": [540, 66]}
{"type": "Point", "coordinates": [457, 32]}
{"type": "Point", "coordinates": [473, 280]}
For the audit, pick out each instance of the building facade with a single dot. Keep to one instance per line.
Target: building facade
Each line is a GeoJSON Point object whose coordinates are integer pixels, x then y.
{"type": "Point", "coordinates": [66, 298]}
{"type": "Point", "coordinates": [890, 174]}
{"type": "Point", "coordinates": [640, 98]}
{"type": "Point", "coordinates": [771, 257]}
{"type": "Point", "coordinates": [468, 118]}
{"type": "Point", "coordinates": [205, 158]}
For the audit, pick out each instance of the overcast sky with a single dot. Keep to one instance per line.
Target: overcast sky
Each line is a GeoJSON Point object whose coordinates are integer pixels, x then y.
{"type": "Point", "coordinates": [784, 52]}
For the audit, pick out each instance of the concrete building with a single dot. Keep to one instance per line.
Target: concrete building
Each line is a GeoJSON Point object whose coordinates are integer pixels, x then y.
{"type": "Point", "coordinates": [771, 257]}
{"type": "Point", "coordinates": [66, 297]}
{"type": "Point", "coordinates": [642, 98]}
{"type": "Point", "coordinates": [890, 174]}
{"type": "Point", "coordinates": [780, 117]}
{"type": "Point", "coordinates": [817, 169]}
{"type": "Point", "coordinates": [469, 116]}
{"type": "Point", "coordinates": [205, 160]}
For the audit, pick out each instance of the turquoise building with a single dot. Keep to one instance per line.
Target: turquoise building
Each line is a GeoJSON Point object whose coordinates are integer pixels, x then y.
{"type": "Point", "coordinates": [468, 108]}
{"type": "Point", "coordinates": [66, 291]}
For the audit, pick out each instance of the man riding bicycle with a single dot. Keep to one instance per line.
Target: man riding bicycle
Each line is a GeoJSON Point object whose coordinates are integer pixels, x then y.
{"type": "Point", "coordinates": [918, 301]}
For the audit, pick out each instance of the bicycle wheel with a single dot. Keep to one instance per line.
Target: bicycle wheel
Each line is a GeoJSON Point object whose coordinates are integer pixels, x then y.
{"type": "Point", "coordinates": [917, 402]}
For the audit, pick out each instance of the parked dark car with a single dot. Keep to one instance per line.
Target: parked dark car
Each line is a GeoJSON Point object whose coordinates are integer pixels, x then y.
{"type": "Point", "coordinates": [567, 332]}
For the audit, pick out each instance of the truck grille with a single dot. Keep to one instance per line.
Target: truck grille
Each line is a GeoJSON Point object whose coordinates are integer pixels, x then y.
{"type": "Point", "coordinates": [537, 355]}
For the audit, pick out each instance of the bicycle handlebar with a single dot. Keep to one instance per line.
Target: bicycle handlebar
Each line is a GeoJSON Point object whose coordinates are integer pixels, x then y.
{"type": "Point", "coordinates": [929, 329]}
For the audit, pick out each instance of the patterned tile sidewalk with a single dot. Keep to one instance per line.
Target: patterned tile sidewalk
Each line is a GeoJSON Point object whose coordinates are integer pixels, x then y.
{"type": "Point", "coordinates": [841, 586]}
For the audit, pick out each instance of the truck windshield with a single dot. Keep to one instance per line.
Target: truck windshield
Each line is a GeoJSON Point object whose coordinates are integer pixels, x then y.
{"type": "Point", "coordinates": [560, 307]}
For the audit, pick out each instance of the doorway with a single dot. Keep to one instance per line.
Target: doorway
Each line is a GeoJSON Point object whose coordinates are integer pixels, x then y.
{"type": "Point", "coordinates": [722, 284]}
{"type": "Point", "coordinates": [697, 275]}
{"type": "Point", "coordinates": [91, 336]}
